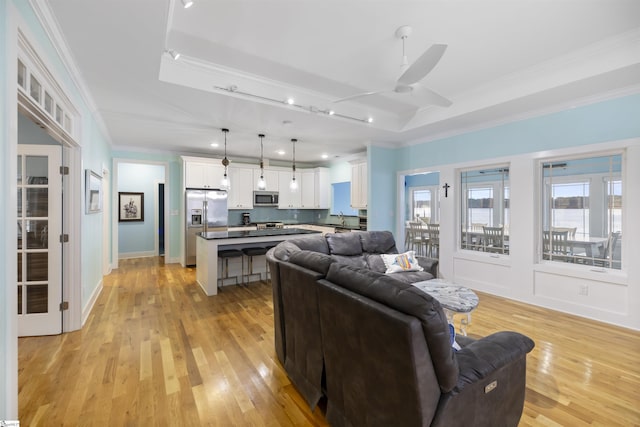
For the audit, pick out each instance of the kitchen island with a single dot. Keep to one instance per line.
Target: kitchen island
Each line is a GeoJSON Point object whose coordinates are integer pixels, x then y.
{"type": "Point", "coordinates": [208, 243]}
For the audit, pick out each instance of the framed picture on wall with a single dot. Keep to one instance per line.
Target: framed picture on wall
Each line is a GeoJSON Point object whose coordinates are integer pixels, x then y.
{"type": "Point", "coordinates": [131, 206]}
{"type": "Point", "coordinates": [93, 192]}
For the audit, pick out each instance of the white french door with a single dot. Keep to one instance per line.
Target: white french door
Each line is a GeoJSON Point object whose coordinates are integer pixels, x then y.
{"type": "Point", "coordinates": [39, 249]}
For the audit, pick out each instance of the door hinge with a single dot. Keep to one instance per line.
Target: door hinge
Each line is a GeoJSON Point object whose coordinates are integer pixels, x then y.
{"type": "Point", "coordinates": [64, 170]}
{"type": "Point", "coordinates": [64, 305]}
{"type": "Point", "coordinates": [64, 238]}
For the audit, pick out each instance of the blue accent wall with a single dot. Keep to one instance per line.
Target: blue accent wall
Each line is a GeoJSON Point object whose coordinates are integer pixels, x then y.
{"type": "Point", "coordinates": [139, 236]}
{"type": "Point", "coordinates": [604, 121]}
{"type": "Point", "coordinates": [381, 200]}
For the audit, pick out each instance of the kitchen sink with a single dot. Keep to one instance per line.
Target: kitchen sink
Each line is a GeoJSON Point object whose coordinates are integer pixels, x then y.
{"type": "Point", "coordinates": [339, 229]}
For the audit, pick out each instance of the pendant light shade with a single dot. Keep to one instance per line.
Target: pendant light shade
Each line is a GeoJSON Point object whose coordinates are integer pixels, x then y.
{"type": "Point", "coordinates": [261, 182]}
{"type": "Point", "coordinates": [225, 184]}
{"type": "Point", "coordinates": [293, 186]}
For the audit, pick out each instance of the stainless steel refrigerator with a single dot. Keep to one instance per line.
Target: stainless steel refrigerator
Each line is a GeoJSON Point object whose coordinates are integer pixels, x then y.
{"type": "Point", "coordinates": [206, 210]}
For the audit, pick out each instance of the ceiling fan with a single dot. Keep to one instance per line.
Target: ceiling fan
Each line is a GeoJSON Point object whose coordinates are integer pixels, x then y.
{"type": "Point", "coordinates": [408, 82]}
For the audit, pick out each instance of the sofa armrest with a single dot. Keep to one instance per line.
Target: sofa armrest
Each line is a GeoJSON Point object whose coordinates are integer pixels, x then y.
{"type": "Point", "coordinates": [480, 358]}
{"type": "Point", "coordinates": [430, 265]}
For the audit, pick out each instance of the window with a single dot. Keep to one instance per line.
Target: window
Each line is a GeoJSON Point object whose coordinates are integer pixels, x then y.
{"type": "Point", "coordinates": [424, 204]}
{"type": "Point", "coordinates": [341, 199]}
{"type": "Point", "coordinates": [582, 211]}
{"type": "Point", "coordinates": [22, 75]}
{"type": "Point", "coordinates": [35, 89]}
{"type": "Point", "coordinates": [485, 209]}
{"type": "Point", "coordinates": [42, 93]}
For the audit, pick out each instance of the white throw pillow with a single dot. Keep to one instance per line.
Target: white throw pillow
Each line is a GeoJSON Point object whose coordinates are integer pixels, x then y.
{"type": "Point", "coordinates": [397, 263]}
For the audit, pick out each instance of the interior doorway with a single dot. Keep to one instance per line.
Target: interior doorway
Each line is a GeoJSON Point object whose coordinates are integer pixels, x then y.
{"type": "Point", "coordinates": [160, 214]}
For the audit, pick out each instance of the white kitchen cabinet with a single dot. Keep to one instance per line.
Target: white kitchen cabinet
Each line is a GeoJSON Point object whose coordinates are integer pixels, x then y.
{"type": "Point", "coordinates": [323, 188]}
{"type": "Point", "coordinates": [307, 189]}
{"type": "Point", "coordinates": [315, 188]}
{"type": "Point", "coordinates": [241, 188]}
{"type": "Point", "coordinates": [289, 199]}
{"type": "Point", "coordinates": [359, 185]}
{"type": "Point", "coordinates": [203, 174]}
{"type": "Point", "coordinates": [270, 178]}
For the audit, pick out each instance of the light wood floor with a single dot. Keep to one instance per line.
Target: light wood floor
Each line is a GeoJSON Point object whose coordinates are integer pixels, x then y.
{"type": "Point", "coordinates": [156, 351]}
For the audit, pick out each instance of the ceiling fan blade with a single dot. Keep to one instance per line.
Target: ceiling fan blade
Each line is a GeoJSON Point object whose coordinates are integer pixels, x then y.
{"type": "Point", "coordinates": [359, 95]}
{"type": "Point", "coordinates": [428, 97]}
{"type": "Point", "coordinates": [423, 65]}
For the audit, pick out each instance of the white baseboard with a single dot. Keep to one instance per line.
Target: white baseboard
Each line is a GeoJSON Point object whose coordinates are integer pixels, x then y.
{"type": "Point", "coordinates": [145, 254]}
{"type": "Point", "coordinates": [86, 311]}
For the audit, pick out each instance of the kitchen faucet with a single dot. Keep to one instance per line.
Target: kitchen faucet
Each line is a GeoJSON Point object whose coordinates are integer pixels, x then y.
{"type": "Point", "coordinates": [342, 221]}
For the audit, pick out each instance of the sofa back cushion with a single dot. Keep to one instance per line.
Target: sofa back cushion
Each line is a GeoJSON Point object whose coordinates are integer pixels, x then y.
{"type": "Point", "coordinates": [345, 244]}
{"type": "Point", "coordinates": [315, 243]}
{"type": "Point", "coordinates": [314, 261]}
{"type": "Point", "coordinates": [378, 242]}
{"type": "Point", "coordinates": [409, 300]}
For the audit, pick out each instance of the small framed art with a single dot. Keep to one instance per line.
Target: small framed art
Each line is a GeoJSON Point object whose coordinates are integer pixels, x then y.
{"type": "Point", "coordinates": [93, 192]}
{"type": "Point", "coordinates": [131, 206]}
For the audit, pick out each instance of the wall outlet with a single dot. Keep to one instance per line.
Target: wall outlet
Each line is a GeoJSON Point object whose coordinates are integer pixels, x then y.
{"type": "Point", "coordinates": [583, 290]}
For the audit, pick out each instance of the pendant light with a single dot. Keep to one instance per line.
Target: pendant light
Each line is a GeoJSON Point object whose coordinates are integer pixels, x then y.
{"type": "Point", "coordinates": [261, 182]}
{"type": "Point", "coordinates": [225, 184]}
{"type": "Point", "coordinates": [293, 186]}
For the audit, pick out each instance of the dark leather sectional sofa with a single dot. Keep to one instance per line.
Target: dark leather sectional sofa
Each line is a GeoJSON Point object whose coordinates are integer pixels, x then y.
{"type": "Point", "coordinates": [378, 348]}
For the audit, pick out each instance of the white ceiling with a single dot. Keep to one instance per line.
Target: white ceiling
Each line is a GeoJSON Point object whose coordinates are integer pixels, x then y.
{"type": "Point", "coordinates": [505, 60]}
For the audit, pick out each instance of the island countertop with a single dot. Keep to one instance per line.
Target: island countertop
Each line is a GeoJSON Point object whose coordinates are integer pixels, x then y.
{"type": "Point", "coordinates": [210, 242]}
{"type": "Point", "coordinates": [268, 232]}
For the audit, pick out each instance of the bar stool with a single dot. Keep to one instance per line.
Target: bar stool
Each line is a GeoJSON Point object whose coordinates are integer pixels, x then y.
{"type": "Point", "coordinates": [223, 257]}
{"type": "Point", "coordinates": [250, 253]}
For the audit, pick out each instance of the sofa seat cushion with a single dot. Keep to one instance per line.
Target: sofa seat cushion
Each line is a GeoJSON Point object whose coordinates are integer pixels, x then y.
{"type": "Point", "coordinates": [354, 261]}
{"type": "Point", "coordinates": [410, 277]}
{"type": "Point", "coordinates": [407, 299]}
{"type": "Point", "coordinates": [375, 263]}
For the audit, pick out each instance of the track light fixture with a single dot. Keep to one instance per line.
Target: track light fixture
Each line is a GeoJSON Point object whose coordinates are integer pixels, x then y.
{"type": "Point", "coordinates": [293, 186]}
{"type": "Point", "coordinates": [225, 162]}
{"type": "Point", "coordinates": [261, 182]}
{"type": "Point", "coordinates": [290, 103]}
{"type": "Point", "coordinates": [187, 3]}
{"type": "Point", "coordinates": [175, 55]}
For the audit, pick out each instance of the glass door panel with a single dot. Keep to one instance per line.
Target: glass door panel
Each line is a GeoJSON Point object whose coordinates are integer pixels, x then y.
{"type": "Point", "coordinates": [39, 260]}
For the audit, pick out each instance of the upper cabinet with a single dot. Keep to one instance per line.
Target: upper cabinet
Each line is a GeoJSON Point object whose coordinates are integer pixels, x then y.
{"type": "Point", "coordinates": [270, 178]}
{"type": "Point", "coordinates": [314, 188]}
{"type": "Point", "coordinates": [202, 173]}
{"type": "Point", "coordinates": [359, 185]}
{"type": "Point", "coordinates": [312, 193]}
{"type": "Point", "coordinates": [288, 199]}
{"type": "Point", "coordinates": [241, 188]}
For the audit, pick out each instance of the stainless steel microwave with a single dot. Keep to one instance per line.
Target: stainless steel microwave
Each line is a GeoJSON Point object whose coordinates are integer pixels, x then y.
{"type": "Point", "coordinates": [265, 198]}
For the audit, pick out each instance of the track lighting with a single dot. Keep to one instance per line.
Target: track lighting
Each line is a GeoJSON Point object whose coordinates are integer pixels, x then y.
{"type": "Point", "coordinates": [187, 3]}
{"type": "Point", "coordinates": [290, 102]}
{"type": "Point", "coordinates": [225, 162]}
{"type": "Point", "coordinates": [293, 186]}
{"type": "Point", "coordinates": [261, 183]}
{"type": "Point", "coordinates": [175, 55]}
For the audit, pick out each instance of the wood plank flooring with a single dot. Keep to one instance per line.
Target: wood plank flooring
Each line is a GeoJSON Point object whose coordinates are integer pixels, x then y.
{"type": "Point", "coordinates": [156, 351]}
